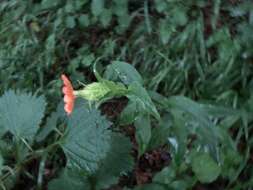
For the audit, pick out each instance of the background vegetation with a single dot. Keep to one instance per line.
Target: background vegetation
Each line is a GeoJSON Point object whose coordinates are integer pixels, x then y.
{"type": "Point", "coordinates": [194, 58]}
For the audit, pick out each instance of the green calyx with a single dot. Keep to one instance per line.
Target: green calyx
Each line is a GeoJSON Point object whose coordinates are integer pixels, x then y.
{"type": "Point", "coordinates": [99, 90]}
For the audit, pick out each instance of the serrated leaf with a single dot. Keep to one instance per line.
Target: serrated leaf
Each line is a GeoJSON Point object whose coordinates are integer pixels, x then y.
{"type": "Point", "coordinates": [21, 113]}
{"type": "Point", "coordinates": [205, 168]}
{"type": "Point", "coordinates": [118, 161]}
{"type": "Point", "coordinates": [69, 180]}
{"type": "Point", "coordinates": [87, 139]}
{"type": "Point", "coordinates": [122, 71]}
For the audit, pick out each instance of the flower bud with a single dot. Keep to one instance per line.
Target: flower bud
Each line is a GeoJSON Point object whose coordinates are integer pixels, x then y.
{"type": "Point", "coordinates": [94, 91]}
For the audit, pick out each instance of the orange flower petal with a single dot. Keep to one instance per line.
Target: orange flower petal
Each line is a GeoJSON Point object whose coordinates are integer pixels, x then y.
{"type": "Point", "coordinates": [69, 97]}
{"type": "Point", "coordinates": [66, 81]}
{"type": "Point", "coordinates": [68, 109]}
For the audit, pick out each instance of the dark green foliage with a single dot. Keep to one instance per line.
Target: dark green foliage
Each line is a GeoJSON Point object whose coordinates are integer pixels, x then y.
{"type": "Point", "coordinates": [186, 63]}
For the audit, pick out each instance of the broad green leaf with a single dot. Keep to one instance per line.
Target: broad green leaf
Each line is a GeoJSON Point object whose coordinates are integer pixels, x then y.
{"type": "Point", "coordinates": [118, 161]}
{"type": "Point", "coordinates": [160, 133]}
{"type": "Point", "coordinates": [179, 141]}
{"type": "Point", "coordinates": [122, 71]}
{"type": "Point", "coordinates": [70, 22]}
{"type": "Point", "coordinates": [69, 180]}
{"type": "Point", "coordinates": [165, 176]}
{"type": "Point", "coordinates": [87, 139]}
{"type": "Point", "coordinates": [205, 168]}
{"type": "Point", "coordinates": [50, 43]}
{"type": "Point", "coordinates": [120, 7]}
{"type": "Point", "coordinates": [165, 31]}
{"type": "Point", "coordinates": [69, 8]}
{"type": "Point", "coordinates": [124, 22]}
{"type": "Point", "coordinates": [180, 185]}
{"type": "Point", "coordinates": [128, 115]}
{"type": "Point", "coordinates": [160, 5]}
{"type": "Point", "coordinates": [152, 186]}
{"type": "Point", "coordinates": [106, 17]}
{"type": "Point", "coordinates": [140, 95]}
{"type": "Point", "coordinates": [21, 113]}
{"type": "Point", "coordinates": [143, 132]}
{"type": "Point", "coordinates": [178, 18]}
{"type": "Point", "coordinates": [1, 163]}
{"type": "Point", "coordinates": [207, 130]}
{"type": "Point", "coordinates": [84, 20]}
{"type": "Point", "coordinates": [97, 7]}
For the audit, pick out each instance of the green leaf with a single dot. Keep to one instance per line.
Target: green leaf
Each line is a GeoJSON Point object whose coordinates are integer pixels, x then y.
{"type": "Point", "coordinates": [91, 147]}
{"type": "Point", "coordinates": [207, 130]}
{"type": "Point", "coordinates": [143, 132]}
{"type": "Point", "coordinates": [1, 163]}
{"type": "Point", "coordinates": [151, 187]}
{"type": "Point", "coordinates": [50, 43]}
{"type": "Point", "coordinates": [122, 71]}
{"type": "Point", "coordinates": [46, 4]}
{"type": "Point", "coordinates": [97, 7]}
{"type": "Point", "coordinates": [140, 95]}
{"type": "Point", "coordinates": [106, 17]}
{"type": "Point", "coordinates": [83, 20]}
{"type": "Point", "coordinates": [180, 140]}
{"type": "Point", "coordinates": [21, 114]}
{"type": "Point", "coordinates": [51, 122]}
{"type": "Point", "coordinates": [129, 113]}
{"type": "Point", "coordinates": [118, 161]}
{"type": "Point", "coordinates": [160, 133]}
{"type": "Point", "coordinates": [69, 8]}
{"type": "Point", "coordinates": [48, 128]}
{"type": "Point", "coordinates": [169, 176]}
{"type": "Point", "coordinates": [166, 176]}
{"type": "Point", "coordinates": [69, 180]}
{"type": "Point", "coordinates": [87, 139]}
{"type": "Point", "coordinates": [124, 22]}
{"type": "Point", "coordinates": [70, 22]}
{"type": "Point", "coordinates": [205, 168]}
{"type": "Point", "coordinates": [160, 5]}
{"type": "Point", "coordinates": [165, 31]}
{"type": "Point", "coordinates": [120, 7]}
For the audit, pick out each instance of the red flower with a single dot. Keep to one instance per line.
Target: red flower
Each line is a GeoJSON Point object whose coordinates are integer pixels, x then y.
{"type": "Point", "coordinates": [69, 97]}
